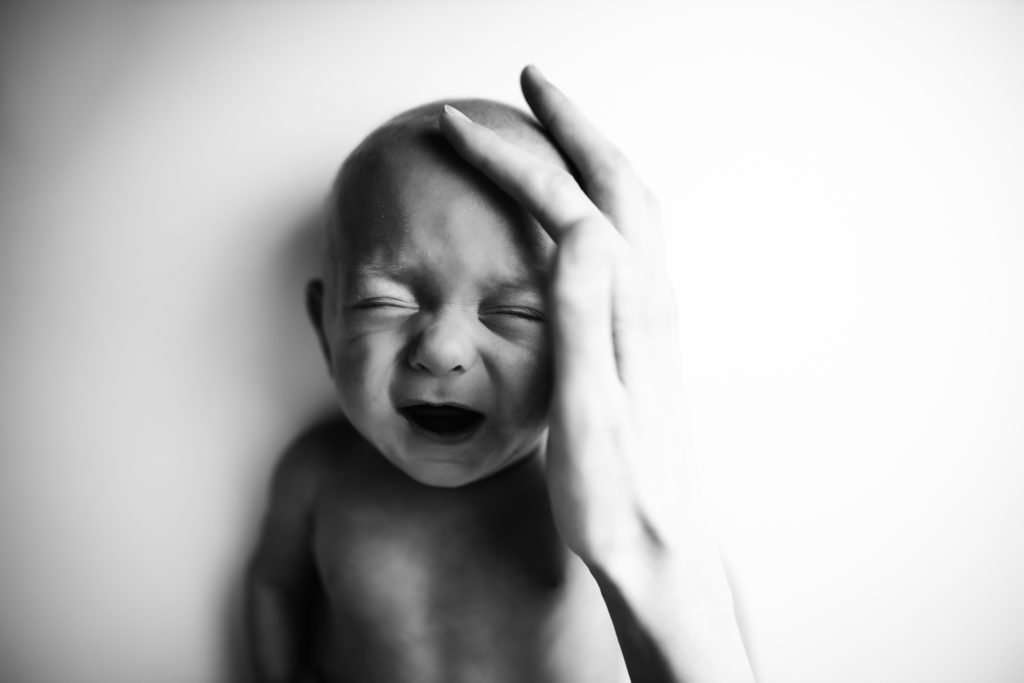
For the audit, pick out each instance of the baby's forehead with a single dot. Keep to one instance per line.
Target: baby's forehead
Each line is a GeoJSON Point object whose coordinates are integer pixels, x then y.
{"type": "Point", "coordinates": [401, 154]}
{"type": "Point", "coordinates": [405, 174]}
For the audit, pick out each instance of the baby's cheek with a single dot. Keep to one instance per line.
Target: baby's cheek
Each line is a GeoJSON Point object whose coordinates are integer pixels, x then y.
{"type": "Point", "coordinates": [528, 379]}
{"type": "Point", "coordinates": [362, 371]}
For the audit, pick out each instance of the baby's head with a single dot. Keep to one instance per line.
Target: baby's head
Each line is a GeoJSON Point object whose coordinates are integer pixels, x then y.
{"type": "Point", "coordinates": [431, 311]}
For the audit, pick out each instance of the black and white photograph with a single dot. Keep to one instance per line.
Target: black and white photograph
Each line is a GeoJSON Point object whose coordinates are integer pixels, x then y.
{"type": "Point", "coordinates": [512, 342]}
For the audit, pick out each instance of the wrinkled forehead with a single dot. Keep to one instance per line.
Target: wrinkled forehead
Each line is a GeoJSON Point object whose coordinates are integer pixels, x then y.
{"type": "Point", "coordinates": [415, 203]}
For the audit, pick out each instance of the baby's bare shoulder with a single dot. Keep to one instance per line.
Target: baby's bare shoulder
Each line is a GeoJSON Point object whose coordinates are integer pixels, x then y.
{"type": "Point", "coordinates": [296, 493]}
{"type": "Point", "coordinates": [315, 458]}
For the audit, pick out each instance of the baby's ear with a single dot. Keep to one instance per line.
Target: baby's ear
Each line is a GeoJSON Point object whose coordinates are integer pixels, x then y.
{"type": "Point", "coordinates": [315, 311]}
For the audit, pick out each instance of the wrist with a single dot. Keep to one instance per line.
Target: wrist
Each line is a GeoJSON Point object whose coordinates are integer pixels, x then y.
{"type": "Point", "coordinates": [680, 576]}
{"type": "Point", "coordinates": [673, 606]}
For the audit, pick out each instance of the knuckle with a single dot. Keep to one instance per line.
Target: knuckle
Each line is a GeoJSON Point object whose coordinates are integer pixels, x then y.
{"type": "Point", "coordinates": [576, 301]}
{"type": "Point", "coordinates": [571, 292]}
{"type": "Point", "coordinates": [583, 273]}
{"type": "Point", "coordinates": [614, 173]}
{"type": "Point", "coordinates": [553, 183]}
{"type": "Point", "coordinates": [590, 242]}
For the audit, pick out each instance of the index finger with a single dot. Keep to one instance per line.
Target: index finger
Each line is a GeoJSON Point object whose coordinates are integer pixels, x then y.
{"type": "Point", "coordinates": [550, 193]}
{"type": "Point", "coordinates": [582, 280]}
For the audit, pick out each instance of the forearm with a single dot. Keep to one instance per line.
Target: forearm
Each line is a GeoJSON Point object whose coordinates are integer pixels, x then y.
{"type": "Point", "coordinates": [673, 615]}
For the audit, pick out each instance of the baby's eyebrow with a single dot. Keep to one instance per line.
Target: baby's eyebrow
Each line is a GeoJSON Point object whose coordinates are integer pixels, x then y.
{"type": "Point", "coordinates": [528, 284]}
{"type": "Point", "coordinates": [395, 271]}
{"type": "Point", "coordinates": [519, 285]}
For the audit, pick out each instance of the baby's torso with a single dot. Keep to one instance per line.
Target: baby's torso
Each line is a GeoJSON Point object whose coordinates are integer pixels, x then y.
{"type": "Point", "coordinates": [426, 584]}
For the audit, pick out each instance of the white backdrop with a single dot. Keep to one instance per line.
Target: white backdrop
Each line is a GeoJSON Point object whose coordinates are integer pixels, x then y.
{"type": "Point", "coordinates": [846, 187]}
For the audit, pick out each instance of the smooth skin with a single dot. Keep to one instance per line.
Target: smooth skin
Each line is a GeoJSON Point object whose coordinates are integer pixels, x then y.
{"type": "Point", "coordinates": [623, 492]}
{"type": "Point", "coordinates": [385, 555]}
{"type": "Point", "coordinates": [382, 568]}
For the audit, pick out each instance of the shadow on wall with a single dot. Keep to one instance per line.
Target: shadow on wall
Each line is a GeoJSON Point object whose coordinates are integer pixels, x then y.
{"type": "Point", "coordinates": [292, 385]}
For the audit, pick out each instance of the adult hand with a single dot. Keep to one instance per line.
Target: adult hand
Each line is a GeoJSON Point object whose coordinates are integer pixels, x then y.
{"type": "Point", "coordinates": [615, 464]}
{"type": "Point", "coordinates": [623, 489]}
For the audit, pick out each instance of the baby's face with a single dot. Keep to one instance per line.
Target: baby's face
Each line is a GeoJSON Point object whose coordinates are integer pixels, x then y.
{"type": "Point", "coordinates": [438, 343]}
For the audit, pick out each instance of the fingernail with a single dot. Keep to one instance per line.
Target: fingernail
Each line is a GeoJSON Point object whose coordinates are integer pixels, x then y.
{"type": "Point", "coordinates": [452, 111]}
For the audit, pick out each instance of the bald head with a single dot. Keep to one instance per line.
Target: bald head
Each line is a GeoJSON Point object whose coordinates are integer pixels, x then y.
{"type": "Point", "coordinates": [418, 128]}
{"type": "Point", "coordinates": [408, 156]}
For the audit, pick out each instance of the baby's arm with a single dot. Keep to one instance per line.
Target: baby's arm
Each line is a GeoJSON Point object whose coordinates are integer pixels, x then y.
{"type": "Point", "coordinates": [282, 583]}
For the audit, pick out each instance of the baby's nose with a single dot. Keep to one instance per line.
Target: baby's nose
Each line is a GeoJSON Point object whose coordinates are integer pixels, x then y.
{"type": "Point", "coordinates": [445, 345]}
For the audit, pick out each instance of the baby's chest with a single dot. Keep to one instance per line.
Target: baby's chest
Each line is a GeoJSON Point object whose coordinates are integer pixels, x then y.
{"type": "Point", "coordinates": [397, 569]}
{"type": "Point", "coordinates": [437, 595]}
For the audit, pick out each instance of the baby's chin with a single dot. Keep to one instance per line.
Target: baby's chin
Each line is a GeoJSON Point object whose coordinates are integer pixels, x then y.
{"type": "Point", "coordinates": [442, 475]}
{"type": "Point", "coordinates": [452, 471]}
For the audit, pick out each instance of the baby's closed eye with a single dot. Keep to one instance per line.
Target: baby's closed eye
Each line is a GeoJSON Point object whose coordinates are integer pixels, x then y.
{"type": "Point", "coordinates": [382, 302]}
{"type": "Point", "coordinates": [514, 311]}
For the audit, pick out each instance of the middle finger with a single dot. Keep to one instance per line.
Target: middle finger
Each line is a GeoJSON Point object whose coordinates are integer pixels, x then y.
{"type": "Point", "coordinates": [548, 192]}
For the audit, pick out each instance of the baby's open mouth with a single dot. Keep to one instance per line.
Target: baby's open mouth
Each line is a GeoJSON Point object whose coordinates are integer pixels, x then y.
{"type": "Point", "coordinates": [442, 419]}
